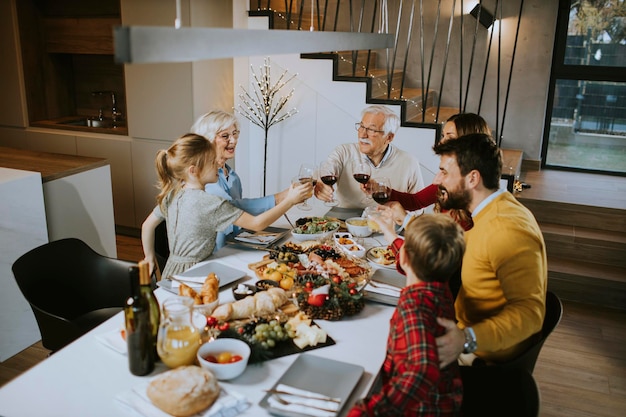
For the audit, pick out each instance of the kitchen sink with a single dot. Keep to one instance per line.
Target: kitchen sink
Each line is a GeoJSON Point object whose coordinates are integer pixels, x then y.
{"type": "Point", "coordinates": [89, 122]}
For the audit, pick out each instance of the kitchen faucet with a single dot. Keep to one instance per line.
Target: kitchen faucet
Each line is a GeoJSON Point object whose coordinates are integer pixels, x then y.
{"type": "Point", "coordinates": [115, 115]}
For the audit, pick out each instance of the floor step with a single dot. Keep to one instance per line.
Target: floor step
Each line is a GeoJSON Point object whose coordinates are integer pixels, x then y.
{"type": "Point", "coordinates": [584, 244]}
{"type": "Point", "coordinates": [587, 282]}
{"type": "Point", "coordinates": [591, 217]}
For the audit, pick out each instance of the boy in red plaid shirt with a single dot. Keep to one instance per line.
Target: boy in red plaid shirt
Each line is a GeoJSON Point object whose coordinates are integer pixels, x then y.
{"type": "Point", "coordinates": [412, 383]}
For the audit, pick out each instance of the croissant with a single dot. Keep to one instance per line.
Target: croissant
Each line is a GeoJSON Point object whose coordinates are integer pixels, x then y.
{"type": "Point", "coordinates": [210, 289]}
{"type": "Point", "coordinates": [187, 291]}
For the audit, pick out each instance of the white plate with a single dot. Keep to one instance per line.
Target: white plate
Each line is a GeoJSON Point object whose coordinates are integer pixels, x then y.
{"type": "Point", "coordinates": [316, 374]}
{"type": "Point", "coordinates": [195, 277]}
{"type": "Point", "coordinates": [386, 277]}
{"type": "Point", "coordinates": [372, 258]}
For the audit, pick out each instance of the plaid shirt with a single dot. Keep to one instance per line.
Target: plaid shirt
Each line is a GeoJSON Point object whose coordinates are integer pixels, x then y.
{"type": "Point", "coordinates": [412, 383]}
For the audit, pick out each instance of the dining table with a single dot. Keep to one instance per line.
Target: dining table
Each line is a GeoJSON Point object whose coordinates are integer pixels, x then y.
{"type": "Point", "coordinates": [86, 377]}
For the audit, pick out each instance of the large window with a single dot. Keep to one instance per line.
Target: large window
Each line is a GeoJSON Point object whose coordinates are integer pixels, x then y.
{"type": "Point", "coordinates": [586, 121]}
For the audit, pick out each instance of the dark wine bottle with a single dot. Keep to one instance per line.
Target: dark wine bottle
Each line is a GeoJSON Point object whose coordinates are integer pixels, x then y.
{"type": "Point", "coordinates": [139, 340]}
{"type": "Point", "coordinates": [145, 289]}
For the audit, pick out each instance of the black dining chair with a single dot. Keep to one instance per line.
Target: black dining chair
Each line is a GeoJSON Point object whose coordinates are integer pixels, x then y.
{"type": "Point", "coordinates": [496, 391]}
{"type": "Point", "coordinates": [161, 244]}
{"type": "Point", "coordinates": [71, 289]}
{"type": "Point", "coordinates": [528, 359]}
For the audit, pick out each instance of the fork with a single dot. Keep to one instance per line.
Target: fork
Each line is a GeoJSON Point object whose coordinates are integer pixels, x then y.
{"type": "Point", "coordinates": [285, 402]}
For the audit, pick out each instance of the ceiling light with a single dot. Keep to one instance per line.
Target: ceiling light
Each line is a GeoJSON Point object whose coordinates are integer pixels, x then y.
{"type": "Point", "coordinates": [153, 44]}
{"type": "Point", "coordinates": [484, 17]}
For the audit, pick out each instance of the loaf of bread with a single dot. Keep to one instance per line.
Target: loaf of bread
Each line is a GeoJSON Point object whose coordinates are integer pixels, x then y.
{"type": "Point", "coordinates": [184, 391]}
{"type": "Point", "coordinates": [262, 303]}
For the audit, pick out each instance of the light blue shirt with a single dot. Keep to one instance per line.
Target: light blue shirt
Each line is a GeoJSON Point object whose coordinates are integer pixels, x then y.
{"type": "Point", "coordinates": [487, 200]}
{"type": "Point", "coordinates": [230, 189]}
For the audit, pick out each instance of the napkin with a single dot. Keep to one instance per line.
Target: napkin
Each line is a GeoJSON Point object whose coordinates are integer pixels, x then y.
{"type": "Point", "coordinates": [384, 289]}
{"type": "Point", "coordinates": [193, 282]}
{"type": "Point", "coordinates": [256, 238]}
{"type": "Point", "coordinates": [304, 402]}
{"type": "Point", "coordinates": [228, 404]}
{"type": "Point", "coordinates": [113, 340]}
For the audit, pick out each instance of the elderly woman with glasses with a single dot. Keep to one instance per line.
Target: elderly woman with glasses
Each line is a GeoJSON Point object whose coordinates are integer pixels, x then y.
{"type": "Point", "coordinates": [222, 129]}
{"type": "Point", "coordinates": [376, 131]}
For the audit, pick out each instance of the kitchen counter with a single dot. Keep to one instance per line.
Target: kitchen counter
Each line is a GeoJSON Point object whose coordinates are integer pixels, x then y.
{"type": "Point", "coordinates": [52, 166]}
{"type": "Point", "coordinates": [77, 193]}
{"type": "Point", "coordinates": [61, 123]}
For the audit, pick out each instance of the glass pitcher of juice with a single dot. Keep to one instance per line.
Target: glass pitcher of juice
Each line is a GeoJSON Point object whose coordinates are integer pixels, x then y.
{"type": "Point", "coordinates": [178, 339]}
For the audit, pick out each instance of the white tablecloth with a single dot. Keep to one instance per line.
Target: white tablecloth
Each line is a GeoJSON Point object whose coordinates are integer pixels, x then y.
{"type": "Point", "coordinates": [84, 378]}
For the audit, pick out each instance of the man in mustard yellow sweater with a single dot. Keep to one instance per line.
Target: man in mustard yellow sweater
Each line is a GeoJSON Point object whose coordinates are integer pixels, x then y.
{"type": "Point", "coordinates": [501, 303]}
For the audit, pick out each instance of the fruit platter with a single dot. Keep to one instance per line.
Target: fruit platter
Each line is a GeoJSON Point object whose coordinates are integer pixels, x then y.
{"type": "Point", "coordinates": [325, 282]}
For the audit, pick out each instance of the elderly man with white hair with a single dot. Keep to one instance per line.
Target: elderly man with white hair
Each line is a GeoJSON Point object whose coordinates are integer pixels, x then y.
{"type": "Point", "coordinates": [376, 131]}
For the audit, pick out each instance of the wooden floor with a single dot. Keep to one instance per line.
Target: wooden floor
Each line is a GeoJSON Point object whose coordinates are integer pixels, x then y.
{"type": "Point", "coordinates": [581, 371]}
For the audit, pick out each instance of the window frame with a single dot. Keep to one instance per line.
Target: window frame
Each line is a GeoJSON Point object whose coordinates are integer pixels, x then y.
{"type": "Point", "coordinates": [561, 71]}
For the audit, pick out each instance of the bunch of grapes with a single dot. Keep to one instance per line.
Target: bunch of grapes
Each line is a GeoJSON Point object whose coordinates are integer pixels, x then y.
{"type": "Point", "coordinates": [267, 333]}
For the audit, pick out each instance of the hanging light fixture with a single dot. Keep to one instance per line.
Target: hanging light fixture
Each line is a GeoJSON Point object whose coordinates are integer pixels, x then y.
{"type": "Point", "coordinates": [155, 44]}
{"type": "Point", "coordinates": [483, 15]}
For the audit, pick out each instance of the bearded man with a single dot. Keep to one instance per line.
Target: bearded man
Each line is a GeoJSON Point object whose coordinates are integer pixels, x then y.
{"type": "Point", "coordinates": [501, 304]}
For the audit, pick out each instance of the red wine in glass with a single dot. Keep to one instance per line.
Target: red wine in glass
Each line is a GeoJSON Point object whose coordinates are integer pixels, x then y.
{"type": "Point", "coordinates": [329, 179]}
{"type": "Point", "coordinates": [381, 196]}
{"type": "Point", "coordinates": [362, 178]}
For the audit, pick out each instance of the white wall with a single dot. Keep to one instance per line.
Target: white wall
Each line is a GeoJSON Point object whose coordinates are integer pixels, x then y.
{"type": "Point", "coordinates": [327, 111]}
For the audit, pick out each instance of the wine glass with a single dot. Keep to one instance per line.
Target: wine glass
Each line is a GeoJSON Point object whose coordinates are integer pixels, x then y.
{"type": "Point", "coordinates": [362, 172]}
{"type": "Point", "coordinates": [381, 189]}
{"type": "Point", "coordinates": [328, 175]}
{"type": "Point", "coordinates": [307, 173]}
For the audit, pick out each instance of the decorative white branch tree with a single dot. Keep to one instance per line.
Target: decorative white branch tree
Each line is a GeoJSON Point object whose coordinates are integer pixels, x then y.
{"type": "Point", "coordinates": [263, 107]}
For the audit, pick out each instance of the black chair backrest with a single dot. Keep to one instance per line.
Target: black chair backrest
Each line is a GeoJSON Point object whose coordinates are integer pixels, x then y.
{"type": "Point", "coordinates": [161, 244]}
{"type": "Point", "coordinates": [528, 359]}
{"type": "Point", "coordinates": [66, 279]}
{"type": "Point", "coordinates": [497, 391]}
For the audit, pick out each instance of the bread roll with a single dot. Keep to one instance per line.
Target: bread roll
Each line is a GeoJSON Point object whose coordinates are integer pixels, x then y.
{"type": "Point", "coordinates": [243, 308]}
{"type": "Point", "coordinates": [279, 296]}
{"type": "Point", "coordinates": [184, 391]}
{"type": "Point", "coordinates": [264, 304]}
{"type": "Point", "coordinates": [223, 311]}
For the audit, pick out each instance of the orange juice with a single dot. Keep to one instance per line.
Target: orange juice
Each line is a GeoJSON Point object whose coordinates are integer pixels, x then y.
{"type": "Point", "coordinates": [179, 346]}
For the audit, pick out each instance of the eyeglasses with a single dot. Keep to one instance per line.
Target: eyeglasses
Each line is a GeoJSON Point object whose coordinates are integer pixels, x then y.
{"type": "Point", "coordinates": [368, 130]}
{"type": "Point", "coordinates": [225, 136]}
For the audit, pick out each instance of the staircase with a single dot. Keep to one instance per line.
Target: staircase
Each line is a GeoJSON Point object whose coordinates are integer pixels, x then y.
{"type": "Point", "coordinates": [420, 107]}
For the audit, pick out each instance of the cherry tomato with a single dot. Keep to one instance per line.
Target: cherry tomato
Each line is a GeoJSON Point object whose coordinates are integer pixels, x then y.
{"type": "Point", "coordinates": [224, 357]}
{"type": "Point", "coordinates": [317, 300]}
{"type": "Point", "coordinates": [337, 279]}
{"type": "Point", "coordinates": [353, 291]}
{"type": "Point", "coordinates": [235, 358]}
{"type": "Point", "coordinates": [352, 285]}
{"type": "Point", "coordinates": [241, 330]}
{"type": "Point", "coordinates": [211, 321]}
{"type": "Point", "coordinates": [210, 358]}
{"type": "Point", "coordinates": [224, 326]}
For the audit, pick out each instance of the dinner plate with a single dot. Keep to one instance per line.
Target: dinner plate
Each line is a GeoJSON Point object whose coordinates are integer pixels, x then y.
{"type": "Point", "coordinates": [194, 277]}
{"type": "Point", "coordinates": [370, 257]}
{"type": "Point", "coordinates": [387, 278]}
{"type": "Point", "coordinates": [319, 375]}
